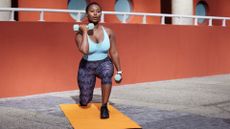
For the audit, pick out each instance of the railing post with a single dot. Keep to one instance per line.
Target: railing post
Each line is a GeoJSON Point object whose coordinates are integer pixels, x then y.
{"type": "Point", "coordinates": [102, 18]}
{"type": "Point", "coordinates": [144, 19]}
{"type": "Point", "coordinates": [162, 20]}
{"type": "Point", "coordinates": [180, 19]}
{"type": "Point", "coordinates": [224, 23]}
{"type": "Point", "coordinates": [196, 22]}
{"type": "Point", "coordinates": [210, 22]}
{"type": "Point", "coordinates": [12, 16]}
{"type": "Point", "coordinates": [78, 17]}
{"type": "Point", "coordinates": [124, 18]}
{"type": "Point", "coordinates": [41, 16]}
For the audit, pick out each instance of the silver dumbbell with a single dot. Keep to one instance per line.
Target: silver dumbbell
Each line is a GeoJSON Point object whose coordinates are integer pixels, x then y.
{"type": "Point", "coordinates": [76, 27]}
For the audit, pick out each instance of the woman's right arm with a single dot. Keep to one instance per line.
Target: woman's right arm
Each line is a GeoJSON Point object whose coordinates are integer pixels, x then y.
{"type": "Point", "coordinates": [81, 40]}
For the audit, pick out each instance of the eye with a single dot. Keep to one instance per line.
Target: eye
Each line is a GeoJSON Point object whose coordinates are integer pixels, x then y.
{"type": "Point", "coordinates": [91, 11]}
{"type": "Point", "coordinates": [98, 11]}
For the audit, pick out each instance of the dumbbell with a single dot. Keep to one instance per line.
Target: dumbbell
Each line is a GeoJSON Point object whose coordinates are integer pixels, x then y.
{"type": "Point", "coordinates": [118, 76]}
{"type": "Point", "coordinates": [76, 27]}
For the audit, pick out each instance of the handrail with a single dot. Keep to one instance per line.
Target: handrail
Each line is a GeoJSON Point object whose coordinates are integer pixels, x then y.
{"type": "Point", "coordinates": [124, 14]}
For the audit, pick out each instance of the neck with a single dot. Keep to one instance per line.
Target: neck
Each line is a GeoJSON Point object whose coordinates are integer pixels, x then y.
{"type": "Point", "coordinates": [96, 26]}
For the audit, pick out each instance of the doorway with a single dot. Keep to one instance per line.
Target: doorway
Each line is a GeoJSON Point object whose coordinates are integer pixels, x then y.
{"type": "Point", "coordinates": [166, 8]}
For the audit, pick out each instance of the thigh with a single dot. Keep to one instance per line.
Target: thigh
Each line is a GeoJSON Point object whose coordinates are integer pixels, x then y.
{"type": "Point", "coordinates": [86, 76]}
{"type": "Point", "coordinates": [105, 71]}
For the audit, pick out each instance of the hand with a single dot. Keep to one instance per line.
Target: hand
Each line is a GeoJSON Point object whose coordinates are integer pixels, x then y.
{"type": "Point", "coordinates": [83, 28]}
{"type": "Point", "coordinates": [118, 77]}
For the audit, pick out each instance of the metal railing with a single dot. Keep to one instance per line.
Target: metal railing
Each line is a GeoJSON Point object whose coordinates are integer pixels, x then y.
{"type": "Point", "coordinates": [42, 12]}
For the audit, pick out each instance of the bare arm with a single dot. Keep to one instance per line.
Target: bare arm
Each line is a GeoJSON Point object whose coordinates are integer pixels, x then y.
{"type": "Point", "coordinates": [81, 40]}
{"type": "Point", "coordinates": [113, 50]}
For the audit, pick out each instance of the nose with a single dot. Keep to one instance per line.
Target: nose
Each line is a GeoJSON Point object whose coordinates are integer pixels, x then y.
{"type": "Point", "coordinates": [95, 13]}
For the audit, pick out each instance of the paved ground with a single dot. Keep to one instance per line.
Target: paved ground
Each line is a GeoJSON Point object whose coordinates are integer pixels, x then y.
{"type": "Point", "coordinates": [193, 103]}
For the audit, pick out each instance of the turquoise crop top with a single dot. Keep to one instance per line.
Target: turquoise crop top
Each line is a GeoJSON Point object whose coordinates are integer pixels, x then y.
{"type": "Point", "coordinates": [98, 51]}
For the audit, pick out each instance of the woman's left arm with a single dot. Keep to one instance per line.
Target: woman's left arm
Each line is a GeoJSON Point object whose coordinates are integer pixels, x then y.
{"type": "Point", "coordinates": [113, 50]}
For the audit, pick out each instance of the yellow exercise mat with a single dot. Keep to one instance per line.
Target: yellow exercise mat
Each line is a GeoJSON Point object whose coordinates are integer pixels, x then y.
{"type": "Point", "coordinates": [89, 117]}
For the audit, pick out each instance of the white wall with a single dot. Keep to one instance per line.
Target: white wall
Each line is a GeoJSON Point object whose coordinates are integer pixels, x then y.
{"type": "Point", "coordinates": [184, 7]}
{"type": "Point", "coordinates": [5, 16]}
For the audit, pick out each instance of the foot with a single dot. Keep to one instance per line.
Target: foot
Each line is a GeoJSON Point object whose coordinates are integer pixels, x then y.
{"type": "Point", "coordinates": [104, 112]}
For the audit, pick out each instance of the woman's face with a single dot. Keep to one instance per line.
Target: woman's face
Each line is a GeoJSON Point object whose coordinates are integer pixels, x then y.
{"type": "Point", "coordinates": [94, 13]}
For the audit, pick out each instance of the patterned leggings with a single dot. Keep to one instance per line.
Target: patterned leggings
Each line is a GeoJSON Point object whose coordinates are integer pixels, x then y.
{"type": "Point", "coordinates": [87, 73]}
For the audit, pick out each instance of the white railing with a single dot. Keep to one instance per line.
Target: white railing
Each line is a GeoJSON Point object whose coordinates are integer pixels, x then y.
{"type": "Point", "coordinates": [42, 12]}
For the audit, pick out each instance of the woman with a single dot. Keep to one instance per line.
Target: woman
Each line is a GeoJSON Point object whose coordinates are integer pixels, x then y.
{"type": "Point", "coordinates": [99, 54]}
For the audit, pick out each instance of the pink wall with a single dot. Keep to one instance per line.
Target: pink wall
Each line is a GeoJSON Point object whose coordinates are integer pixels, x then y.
{"type": "Point", "coordinates": [42, 57]}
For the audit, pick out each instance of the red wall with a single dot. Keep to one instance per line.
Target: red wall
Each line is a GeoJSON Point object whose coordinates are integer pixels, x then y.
{"type": "Point", "coordinates": [138, 6]}
{"type": "Point", "coordinates": [50, 4]}
{"type": "Point", "coordinates": [42, 57]}
{"type": "Point", "coordinates": [220, 8]}
{"type": "Point", "coordinates": [217, 8]}
{"type": "Point", "coordinates": [36, 58]}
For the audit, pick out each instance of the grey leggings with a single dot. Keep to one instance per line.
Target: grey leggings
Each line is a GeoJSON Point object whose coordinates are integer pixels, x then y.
{"type": "Point", "coordinates": [87, 73]}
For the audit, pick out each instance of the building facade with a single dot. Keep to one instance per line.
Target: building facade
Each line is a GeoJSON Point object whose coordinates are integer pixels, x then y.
{"type": "Point", "coordinates": [185, 7]}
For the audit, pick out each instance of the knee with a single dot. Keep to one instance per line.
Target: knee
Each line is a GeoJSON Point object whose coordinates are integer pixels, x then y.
{"type": "Point", "coordinates": [82, 103]}
{"type": "Point", "coordinates": [85, 100]}
{"type": "Point", "coordinates": [106, 80]}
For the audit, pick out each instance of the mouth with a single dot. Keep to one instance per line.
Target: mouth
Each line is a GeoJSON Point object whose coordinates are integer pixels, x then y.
{"type": "Point", "coordinates": [95, 18]}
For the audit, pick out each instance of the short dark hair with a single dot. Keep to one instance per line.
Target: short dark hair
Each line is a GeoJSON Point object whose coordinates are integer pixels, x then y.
{"type": "Point", "coordinates": [93, 3]}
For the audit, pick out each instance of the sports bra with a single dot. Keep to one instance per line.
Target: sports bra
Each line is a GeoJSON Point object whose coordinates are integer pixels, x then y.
{"type": "Point", "coordinates": [98, 51]}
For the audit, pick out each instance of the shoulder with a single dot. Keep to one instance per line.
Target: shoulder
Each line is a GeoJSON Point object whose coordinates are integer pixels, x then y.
{"type": "Point", "coordinates": [109, 31]}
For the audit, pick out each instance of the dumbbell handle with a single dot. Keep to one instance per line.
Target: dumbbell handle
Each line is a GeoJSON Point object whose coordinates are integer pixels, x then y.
{"type": "Point", "coordinates": [76, 27]}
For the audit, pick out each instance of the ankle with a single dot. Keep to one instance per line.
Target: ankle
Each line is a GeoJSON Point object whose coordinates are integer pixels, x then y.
{"type": "Point", "coordinates": [104, 105]}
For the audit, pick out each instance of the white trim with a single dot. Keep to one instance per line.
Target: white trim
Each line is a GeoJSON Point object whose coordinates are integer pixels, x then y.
{"type": "Point", "coordinates": [104, 13]}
